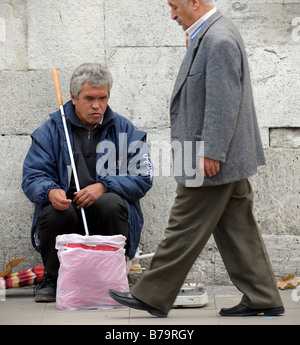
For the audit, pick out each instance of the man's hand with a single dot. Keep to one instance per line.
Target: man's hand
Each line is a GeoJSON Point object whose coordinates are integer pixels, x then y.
{"type": "Point", "coordinates": [209, 167]}
{"type": "Point", "coordinates": [59, 199]}
{"type": "Point", "coordinates": [87, 196]}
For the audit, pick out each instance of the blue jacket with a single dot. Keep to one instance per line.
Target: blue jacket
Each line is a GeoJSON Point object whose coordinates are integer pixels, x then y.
{"type": "Point", "coordinates": [47, 166]}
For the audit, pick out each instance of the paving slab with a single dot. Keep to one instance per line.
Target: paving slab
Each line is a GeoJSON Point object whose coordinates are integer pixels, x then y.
{"type": "Point", "coordinates": [19, 308]}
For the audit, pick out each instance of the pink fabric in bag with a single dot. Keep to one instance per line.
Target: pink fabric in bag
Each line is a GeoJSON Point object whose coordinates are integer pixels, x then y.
{"type": "Point", "coordinates": [89, 267]}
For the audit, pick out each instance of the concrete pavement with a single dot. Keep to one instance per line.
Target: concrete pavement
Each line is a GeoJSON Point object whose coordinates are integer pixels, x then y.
{"type": "Point", "coordinates": [19, 308]}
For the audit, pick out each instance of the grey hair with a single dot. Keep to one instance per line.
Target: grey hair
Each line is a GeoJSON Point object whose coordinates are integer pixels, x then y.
{"type": "Point", "coordinates": [95, 74]}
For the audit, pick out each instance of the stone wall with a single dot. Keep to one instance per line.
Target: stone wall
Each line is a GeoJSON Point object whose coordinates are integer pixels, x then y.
{"type": "Point", "coordinates": [143, 48]}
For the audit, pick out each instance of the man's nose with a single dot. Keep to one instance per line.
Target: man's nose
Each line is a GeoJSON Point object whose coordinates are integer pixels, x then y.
{"type": "Point", "coordinates": [96, 104]}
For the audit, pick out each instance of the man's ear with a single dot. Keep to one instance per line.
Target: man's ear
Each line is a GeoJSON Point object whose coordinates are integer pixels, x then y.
{"type": "Point", "coordinates": [196, 4]}
{"type": "Point", "coordinates": [73, 98]}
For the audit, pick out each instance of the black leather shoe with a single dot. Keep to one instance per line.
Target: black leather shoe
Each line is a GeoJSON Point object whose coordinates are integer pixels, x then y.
{"type": "Point", "coordinates": [45, 292]}
{"type": "Point", "coordinates": [242, 310]}
{"type": "Point", "coordinates": [127, 299]}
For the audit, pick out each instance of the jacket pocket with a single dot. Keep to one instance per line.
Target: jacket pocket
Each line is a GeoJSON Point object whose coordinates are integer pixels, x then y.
{"type": "Point", "coordinates": [195, 75]}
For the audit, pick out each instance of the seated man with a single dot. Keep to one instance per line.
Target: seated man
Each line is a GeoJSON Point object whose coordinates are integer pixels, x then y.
{"type": "Point", "coordinates": [113, 168]}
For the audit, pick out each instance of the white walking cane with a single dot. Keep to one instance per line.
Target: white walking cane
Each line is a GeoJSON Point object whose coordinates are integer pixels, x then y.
{"type": "Point", "coordinates": [63, 116]}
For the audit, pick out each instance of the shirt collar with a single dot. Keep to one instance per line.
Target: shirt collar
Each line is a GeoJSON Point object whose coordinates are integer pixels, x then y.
{"type": "Point", "coordinates": [192, 30]}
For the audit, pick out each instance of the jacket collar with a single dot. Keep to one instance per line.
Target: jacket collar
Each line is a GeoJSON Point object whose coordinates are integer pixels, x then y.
{"type": "Point", "coordinates": [71, 117]}
{"type": "Point", "coordinates": [191, 52]}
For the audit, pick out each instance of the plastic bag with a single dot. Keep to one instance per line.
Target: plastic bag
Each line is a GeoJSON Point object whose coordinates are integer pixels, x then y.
{"type": "Point", "coordinates": [89, 267]}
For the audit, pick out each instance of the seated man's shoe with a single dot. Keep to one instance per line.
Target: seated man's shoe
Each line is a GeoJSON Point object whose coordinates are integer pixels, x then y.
{"type": "Point", "coordinates": [127, 299]}
{"type": "Point", "coordinates": [45, 292]}
{"type": "Point", "coordinates": [242, 310]}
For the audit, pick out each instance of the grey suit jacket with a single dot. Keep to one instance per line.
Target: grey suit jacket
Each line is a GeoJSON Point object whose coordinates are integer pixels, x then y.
{"type": "Point", "coordinates": [212, 102]}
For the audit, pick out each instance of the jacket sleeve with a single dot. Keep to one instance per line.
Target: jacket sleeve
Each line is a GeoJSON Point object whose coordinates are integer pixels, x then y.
{"type": "Point", "coordinates": [39, 172]}
{"type": "Point", "coordinates": [134, 175]}
{"type": "Point", "coordinates": [223, 97]}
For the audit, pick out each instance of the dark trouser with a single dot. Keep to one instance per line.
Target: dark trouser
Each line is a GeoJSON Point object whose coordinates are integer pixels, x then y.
{"type": "Point", "coordinates": [226, 212]}
{"type": "Point", "coordinates": [107, 216]}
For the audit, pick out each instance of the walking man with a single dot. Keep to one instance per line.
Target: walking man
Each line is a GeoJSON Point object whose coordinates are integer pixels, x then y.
{"type": "Point", "coordinates": [212, 102]}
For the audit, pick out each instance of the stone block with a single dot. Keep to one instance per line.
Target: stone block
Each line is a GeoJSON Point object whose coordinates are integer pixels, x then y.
{"type": "Point", "coordinates": [141, 24]}
{"type": "Point", "coordinates": [19, 247]}
{"type": "Point", "coordinates": [69, 34]}
{"type": "Point", "coordinates": [27, 99]}
{"type": "Point", "coordinates": [157, 203]}
{"type": "Point", "coordinates": [13, 53]}
{"type": "Point", "coordinates": [143, 82]}
{"type": "Point", "coordinates": [283, 251]}
{"type": "Point", "coordinates": [275, 73]}
{"type": "Point", "coordinates": [262, 22]}
{"type": "Point", "coordinates": [263, 1]}
{"type": "Point", "coordinates": [285, 138]}
{"type": "Point", "coordinates": [223, 6]}
{"type": "Point", "coordinates": [156, 206]}
{"type": "Point", "coordinates": [12, 154]}
{"type": "Point", "coordinates": [265, 137]}
{"type": "Point", "coordinates": [16, 210]}
{"type": "Point", "coordinates": [276, 196]}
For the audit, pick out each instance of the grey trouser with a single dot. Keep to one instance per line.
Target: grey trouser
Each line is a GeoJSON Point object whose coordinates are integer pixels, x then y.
{"type": "Point", "coordinates": [226, 212]}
